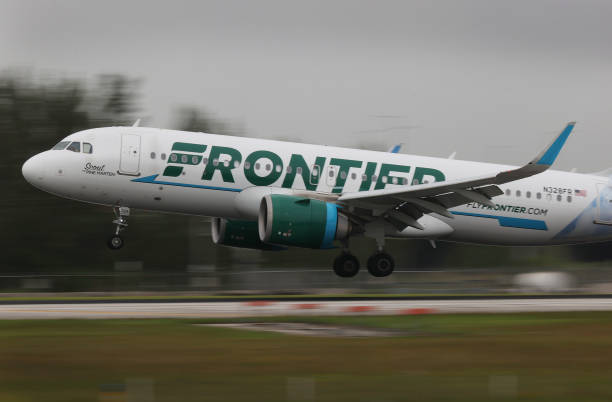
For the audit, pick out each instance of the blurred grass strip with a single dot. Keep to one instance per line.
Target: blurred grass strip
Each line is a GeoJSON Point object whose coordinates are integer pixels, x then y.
{"type": "Point", "coordinates": [471, 357]}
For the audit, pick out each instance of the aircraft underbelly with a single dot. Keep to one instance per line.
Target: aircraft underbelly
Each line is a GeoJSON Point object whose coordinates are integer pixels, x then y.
{"type": "Point", "coordinates": [183, 201]}
{"type": "Point", "coordinates": [496, 231]}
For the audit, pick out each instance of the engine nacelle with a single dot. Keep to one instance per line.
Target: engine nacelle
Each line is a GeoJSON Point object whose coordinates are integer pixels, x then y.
{"type": "Point", "coordinates": [301, 222]}
{"type": "Point", "coordinates": [241, 234]}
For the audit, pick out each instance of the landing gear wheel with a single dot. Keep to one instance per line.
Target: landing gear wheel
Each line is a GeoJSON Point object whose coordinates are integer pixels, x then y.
{"type": "Point", "coordinates": [380, 265]}
{"type": "Point", "coordinates": [115, 242]}
{"type": "Point", "coordinates": [346, 265]}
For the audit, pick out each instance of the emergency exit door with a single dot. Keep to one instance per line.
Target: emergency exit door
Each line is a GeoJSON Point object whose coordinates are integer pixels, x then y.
{"type": "Point", "coordinates": [130, 155]}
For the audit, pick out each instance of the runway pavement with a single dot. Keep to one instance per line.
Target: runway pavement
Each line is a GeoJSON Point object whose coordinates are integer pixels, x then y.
{"type": "Point", "coordinates": [285, 308]}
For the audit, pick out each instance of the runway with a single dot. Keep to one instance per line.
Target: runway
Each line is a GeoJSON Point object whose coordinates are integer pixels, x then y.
{"type": "Point", "coordinates": [266, 308]}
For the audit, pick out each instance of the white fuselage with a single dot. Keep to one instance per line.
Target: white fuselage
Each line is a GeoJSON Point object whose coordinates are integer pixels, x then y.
{"type": "Point", "coordinates": [205, 174]}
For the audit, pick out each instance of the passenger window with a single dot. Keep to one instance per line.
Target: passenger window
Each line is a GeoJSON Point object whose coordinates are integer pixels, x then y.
{"type": "Point", "coordinates": [353, 176]}
{"type": "Point", "coordinates": [538, 195]}
{"type": "Point", "coordinates": [152, 155]}
{"type": "Point", "coordinates": [508, 192]}
{"type": "Point", "coordinates": [163, 156]}
{"type": "Point", "coordinates": [559, 198]}
{"type": "Point", "coordinates": [289, 169]}
{"type": "Point", "coordinates": [569, 198]}
{"type": "Point", "coordinates": [74, 146]}
{"type": "Point", "coordinates": [528, 194]}
{"type": "Point", "coordinates": [518, 193]}
{"type": "Point", "coordinates": [87, 148]}
{"type": "Point", "coordinates": [61, 145]}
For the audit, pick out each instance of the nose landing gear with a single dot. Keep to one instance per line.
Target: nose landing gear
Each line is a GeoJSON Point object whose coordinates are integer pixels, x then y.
{"type": "Point", "coordinates": [115, 242]}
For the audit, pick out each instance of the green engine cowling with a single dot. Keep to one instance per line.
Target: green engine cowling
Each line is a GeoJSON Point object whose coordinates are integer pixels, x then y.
{"type": "Point", "coordinates": [301, 222]}
{"type": "Point", "coordinates": [242, 234]}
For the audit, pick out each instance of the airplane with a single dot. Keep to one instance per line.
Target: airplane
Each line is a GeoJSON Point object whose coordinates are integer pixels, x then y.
{"type": "Point", "coordinates": [270, 195]}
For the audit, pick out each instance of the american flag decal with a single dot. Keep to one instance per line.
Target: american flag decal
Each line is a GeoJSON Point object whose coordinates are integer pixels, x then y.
{"type": "Point", "coordinates": [580, 193]}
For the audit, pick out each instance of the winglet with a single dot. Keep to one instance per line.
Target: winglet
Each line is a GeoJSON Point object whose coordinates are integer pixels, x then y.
{"type": "Point", "coordinates": [548, 156]}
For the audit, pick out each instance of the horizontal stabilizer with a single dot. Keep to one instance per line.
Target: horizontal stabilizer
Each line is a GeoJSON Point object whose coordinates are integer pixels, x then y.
{"type": "Point", "coordinates": [395, 148]}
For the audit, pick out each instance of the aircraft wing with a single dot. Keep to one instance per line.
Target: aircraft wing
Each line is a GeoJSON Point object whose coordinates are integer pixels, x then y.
{"type": "Point", "coordinates": [402, 206]}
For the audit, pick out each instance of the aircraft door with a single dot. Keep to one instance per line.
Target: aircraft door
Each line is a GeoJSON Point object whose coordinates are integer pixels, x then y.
{"type": "Point", "coordinates": [604, 204]}
{"type": "Point", "coordinates": [130, 155]}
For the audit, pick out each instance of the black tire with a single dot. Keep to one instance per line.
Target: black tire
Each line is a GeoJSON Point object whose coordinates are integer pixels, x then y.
{"type": "Point", "coordinates": [381, 265]}
{"type": "Point", "coordinates": [346, 265]}
{"type": "Point", "coordinates": [115, 242]}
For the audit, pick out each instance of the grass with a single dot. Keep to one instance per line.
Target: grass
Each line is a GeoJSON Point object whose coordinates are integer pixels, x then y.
{"type": "Point", "coordinates": [535, 357]}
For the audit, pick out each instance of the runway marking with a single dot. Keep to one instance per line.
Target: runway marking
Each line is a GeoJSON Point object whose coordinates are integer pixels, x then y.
{"type": "Point", "coordinates": [307, 306]}
{"type": "Point", "coordinates": [418, 311]}
{"type": "Point", "coordinates": [268, 309]}
{"type": "Point", "coordinates": [359, 309]}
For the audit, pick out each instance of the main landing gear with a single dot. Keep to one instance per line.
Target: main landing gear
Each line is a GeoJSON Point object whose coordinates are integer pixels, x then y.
{"type": "Point", "coordinates": [346, 265]}
{"type": "Point", "coordinates": [380, 264]}
{"type": "Point", "coordinates": [115, 242]}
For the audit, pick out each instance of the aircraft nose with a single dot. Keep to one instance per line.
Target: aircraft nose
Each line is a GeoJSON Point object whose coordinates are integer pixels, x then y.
{"type": "Point", "coordinates": [33, 170]}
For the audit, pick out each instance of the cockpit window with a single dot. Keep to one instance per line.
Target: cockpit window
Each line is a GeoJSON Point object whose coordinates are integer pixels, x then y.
{"type": "Point", "coordinates": [87, 148]}
{"type": "Point", "coordinates": [74, 147]}
{"type": "Point", "coordinates": [61, 145]}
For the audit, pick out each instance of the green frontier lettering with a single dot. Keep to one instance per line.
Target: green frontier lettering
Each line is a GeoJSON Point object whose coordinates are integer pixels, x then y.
{"type": "Point", "coordinates": [387, 168]}
{"type": "Point", "coordinates": [421, 172]}
{"type": "Point", "coordinates": [273, 174]}
{"type": "Point", "coordinates": [345, 165]}
{"type": "Point", "coordinates": [366, 181]}
{"type": "Point", "coordinates": [188, 147]}
{"type": "Point", "coordinates": [183, 159]}
{"type": "Point", "coordinates": [224, 167]}
{"type": "Point", "coordinates": [298, 166]}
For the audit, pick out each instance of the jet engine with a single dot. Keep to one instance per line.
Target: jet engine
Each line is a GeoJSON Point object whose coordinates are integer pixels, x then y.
{"type": "Point", "coordinates": [302, 222]}
{"type": "Point", "coordinates": [242, 234]}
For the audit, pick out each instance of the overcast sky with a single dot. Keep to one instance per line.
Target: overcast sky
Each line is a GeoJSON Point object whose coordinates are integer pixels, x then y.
{"type": "Point", "coordinates": [492, 80]}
